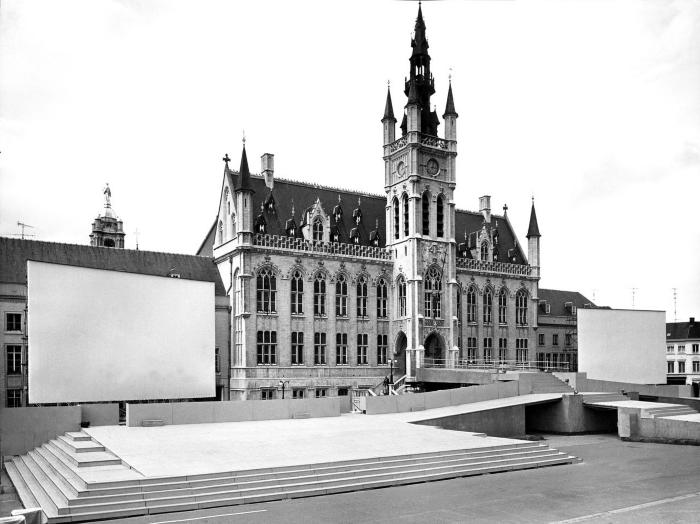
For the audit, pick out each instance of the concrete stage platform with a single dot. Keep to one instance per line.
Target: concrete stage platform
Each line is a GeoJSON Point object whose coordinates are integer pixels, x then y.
{"type": "Point", "coordinates": [209, 448]}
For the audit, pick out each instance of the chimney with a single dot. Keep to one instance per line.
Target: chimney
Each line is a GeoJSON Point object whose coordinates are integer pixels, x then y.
{"type": "Point", "coordinates": [268, 169]}
{"type": "Point", "coordinates": [485, 208]}
{"type": "Point", "coordinates": [692, 321]}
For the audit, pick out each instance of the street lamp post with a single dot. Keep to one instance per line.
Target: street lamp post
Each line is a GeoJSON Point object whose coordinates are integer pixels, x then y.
{"type": "Point", "coordinates": [282, 384]}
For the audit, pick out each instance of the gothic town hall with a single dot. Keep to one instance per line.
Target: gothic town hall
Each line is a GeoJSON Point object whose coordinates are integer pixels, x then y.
{"type": "Point", "coordinates": [332, 290]}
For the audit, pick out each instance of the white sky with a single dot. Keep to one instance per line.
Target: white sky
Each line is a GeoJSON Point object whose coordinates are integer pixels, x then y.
{"type": "Point", "coordinates": [592, 106]}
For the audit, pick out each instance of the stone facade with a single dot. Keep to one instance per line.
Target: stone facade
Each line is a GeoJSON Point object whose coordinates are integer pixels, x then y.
{"type": "Point", "coordinates": [415, 293]}
{"type": "Point", "coordinates": [683, 353]}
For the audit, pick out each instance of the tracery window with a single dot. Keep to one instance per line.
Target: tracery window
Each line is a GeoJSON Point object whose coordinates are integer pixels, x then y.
{"type": "Point", "coordinates": [402, 296]}
{"type": "Point", "coordinates": [266, 291]}
{"type": "Point", "coordinates": [297, 293]}
{"type": "Point", "coordinates": [425, 204]}
{"type": "Point", "coordinates": [341, 296]}
{"type": "Point", "coordinates": [362, 296]}
{"type": "Point", "coordinates": [432, 288]}
{"type": "Point", "coordinates": [471, 304]}
{"type": "Point", "coordinates": [319, 295]}
{"type": "Point", "coordinates": [521, 308]}
{"type": "Point", "coordinates": [488, 306]}
{"type": "Point", "coordinates": [404, 200]}
{"type": "Point", "coordinates": [397, 226]}
{"type": "Point", "coordinates": [485, 251]}
{"type": "Point", "coordinates": [381, 298]}
{"type": "Point", "coordinates": [440, 216]}
{"type": "Point", "coordinates": [317, 230]}
{"type": "Point", "coordinates": [503, 307]}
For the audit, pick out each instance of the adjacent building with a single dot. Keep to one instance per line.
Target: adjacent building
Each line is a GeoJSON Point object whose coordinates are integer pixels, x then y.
{"type": "Point", "coordinates": [683, 353]}
{"type": "Point", "coordinates": [557, 341]}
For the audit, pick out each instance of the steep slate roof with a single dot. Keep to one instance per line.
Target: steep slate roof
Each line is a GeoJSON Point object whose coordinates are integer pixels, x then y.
{"type": "Point", "coordinates": [303, 196]}
{"type": "Point", "coordinates": [683, 330]}
{"type": "Point", "coordinates": [15, 252]}
{"type": "Point", "coordinates": [557, 298]}
{"type": "Point", "coordinates": [533, 230]}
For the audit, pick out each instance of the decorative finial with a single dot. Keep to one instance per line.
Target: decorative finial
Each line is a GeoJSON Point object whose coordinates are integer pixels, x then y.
{"type": "Point", "coordinates": [244, 138]}
{"type": "Point", "coordinates": [226, 159]}
{"type": "Point", "coordinates": [388, 83]}
{"type": "Point", "coordinates": [505, 209]}
{"type": "Point", "coordinates": [533, 199]}
{"type": "Point", "coordinates": [449, 77]}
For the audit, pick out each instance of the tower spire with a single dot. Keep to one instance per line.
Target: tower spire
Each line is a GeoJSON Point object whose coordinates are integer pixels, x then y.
{"type": "Point", "coordinates": [388, 107]}
{"type": "Point", "coordinates": [244, 173]}
{"type": "Point", "coordinates": [533, 230]}
{"type": "Point", "coordinates": [450, 106]}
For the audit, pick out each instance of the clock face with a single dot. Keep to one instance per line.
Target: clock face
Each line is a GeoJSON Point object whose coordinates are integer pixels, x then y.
{"type": "Point", "coordinates": [401, 169]}
{"type": "Point", "coordinates": [433, 167]}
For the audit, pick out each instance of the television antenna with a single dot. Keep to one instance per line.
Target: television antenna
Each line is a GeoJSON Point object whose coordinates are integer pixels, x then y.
{"type": "Point", "coordinates": [675, 296]}
{"type": "Point", "coordinates": [24, 226]}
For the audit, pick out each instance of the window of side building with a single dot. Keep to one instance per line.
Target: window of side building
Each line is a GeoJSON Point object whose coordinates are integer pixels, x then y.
{"type": "Point", "coordinates": [669, 367]}
{"type": "Point", "coordinates": [13, 321]}
{"type": "Point", "coordinates": [267, 348]}
{"type": "Point", "coordinates": [321, 392]}
{"type": "Point", "coordinates": [382, 349]}
{"type": "Point", "coordinates": [14, 360]}
{"type": "Point", "coordinates": [297, 393]}
{"type": "Point", "coordinates": [341, 349]}
{"type": "Point", "coordinates": [362, 349]}
{"type": "Point", "coordinates": [297, 348]}
{"type": "Point", "coordinates": [681, 367]}
{"type": "Point", "coordinates": [540, 339]}
{"type": "Point", "coordinates": [14, 398]}
{"type": "Point", "coordinates": [319, 349]}
{"type": "Point", "coordinates": [696, 366]}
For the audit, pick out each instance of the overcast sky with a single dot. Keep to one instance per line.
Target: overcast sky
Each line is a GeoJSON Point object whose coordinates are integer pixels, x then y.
{"type": "Point", "coordinates": [592, 106]}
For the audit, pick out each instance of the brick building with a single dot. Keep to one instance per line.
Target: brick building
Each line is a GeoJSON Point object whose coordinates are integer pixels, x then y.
{"type": "Point", "coordinates": [327, 286]}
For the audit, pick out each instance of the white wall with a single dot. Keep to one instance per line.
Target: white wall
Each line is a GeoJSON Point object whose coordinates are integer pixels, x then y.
{"type": "Point", "coordinates": [97, 335]}
{"type": "Point", "coordinates": [622, 345]}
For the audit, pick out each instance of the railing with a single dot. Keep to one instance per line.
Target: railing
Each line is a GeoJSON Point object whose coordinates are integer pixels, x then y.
{"type": "Point", "coordinates": [495, 366]}
{"type": "Point", "coordinates": [398, 144]}
{"type": "Point", "coordinates": [303, 372]}
{"type": "Point", "coordinates": [330, 248]}
{"type": "Point", "coordinates": [433, 141]}
{"type": "Point", "coordinates": [494, 267]}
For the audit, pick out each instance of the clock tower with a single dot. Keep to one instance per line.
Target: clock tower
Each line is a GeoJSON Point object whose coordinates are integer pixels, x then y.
{"type": "Point", "coordinates": [420, 178]}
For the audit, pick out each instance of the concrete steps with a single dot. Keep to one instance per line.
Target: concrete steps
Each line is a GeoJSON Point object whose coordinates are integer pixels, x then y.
{"type": "Point", "coordinates": [668, 411]}
{"type": "Point", "coordinates": [49, 476]}
{"type": "Point", "coordinates": [547, 383]}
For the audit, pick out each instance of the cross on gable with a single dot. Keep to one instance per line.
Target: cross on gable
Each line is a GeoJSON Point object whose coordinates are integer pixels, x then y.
{"type": "Point", "coordinates": [226, 159]}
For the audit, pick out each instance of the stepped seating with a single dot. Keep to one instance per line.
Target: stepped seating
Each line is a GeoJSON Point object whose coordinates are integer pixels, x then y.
{"type": "Point", "coordinates": [603, 397]}
{"type": "Point", "coordinates": [54, 478]}
{"type": "Point", "coordinates": [547, 383]}
{"type": "Point", "coordinates": [668, 411]}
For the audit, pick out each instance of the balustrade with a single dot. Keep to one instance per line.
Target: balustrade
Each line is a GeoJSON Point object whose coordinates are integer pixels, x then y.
{"type": "Point", "coordinates": [494, 267]}
{"type": "Point", "coordinates": [330, 248]}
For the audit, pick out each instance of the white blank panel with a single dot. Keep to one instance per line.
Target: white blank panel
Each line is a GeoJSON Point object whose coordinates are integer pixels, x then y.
{"type": "Point", "coordinates": [622, 345]}
{"type": "Point", "coordinates": [97, 335]}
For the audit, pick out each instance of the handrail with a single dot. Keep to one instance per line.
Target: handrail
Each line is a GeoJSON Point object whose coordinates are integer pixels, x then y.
{"type": "Point", "coordinates": [496, 365]}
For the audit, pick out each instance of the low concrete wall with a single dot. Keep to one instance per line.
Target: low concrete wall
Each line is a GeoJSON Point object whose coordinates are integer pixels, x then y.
{"type": "Point", "coordinates": [502, 422]}
{"type": "Point", "coordinates": [232, 410]}
{"type": "Point", "coordinates": [100, 414]}
{"type": "Point", "coordinates": [23, 429]}
{"type": "Point", "coordinates": [664, 430]}
{"type": "Point", "coordinates": [440, 399]}
{"type": "Point", "coordinates": [453, 376]}
{"type": "Point", "coordinates": [569, 416]}
{"type": "Point", "coordinates": [581, 382]}
{"type": "Point", "coordinates": [690, 402]}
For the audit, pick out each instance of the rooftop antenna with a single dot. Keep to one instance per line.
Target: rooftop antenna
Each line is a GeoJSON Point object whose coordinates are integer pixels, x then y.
{"type": "Point", "coordinates": [136, 235]}
{"type": "Point", "coordinates": [594, 296]}
{"type": "Point", "coordinates": [634, 291]}
{"type": "Point", "coordinates": [675, 296]}
{"type": "Point", "coordinates": [23, 226]}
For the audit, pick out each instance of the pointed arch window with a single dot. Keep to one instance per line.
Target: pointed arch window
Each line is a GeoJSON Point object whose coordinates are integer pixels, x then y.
{"type": "Point", "coordinates": [488, 306]}
{"type": "Point", "coordinates": [402, 296]}
{"type": "Point", "coordinates": [266, 291]}
{"type": "Point", "coordinates": [471, 304]}
{"type": "Point", "coordinates": [297, 293]}
{"type": "Point", "coordinates": [521, 308]}
{"type": "Point", "coordinates": [404, 202]}
{"type": "Point", "coordinates": [362, 297]}
{"type": "Point", "coordinates": [432, 289]}
{"type": "Point", "coordinates": [319, 295]}
{"type": "Point", "coordinates": [440, 216]}
{"type": "Point", "coordinates": [425, 206]}
{"type": "Point", "coordinates": [503, 306]}
{"type": "Point", "coordinates": [397, 225]}
{"type": "Point", "coordinates": [341, 296]}
{"type": "Point", "coordinates": [485, 251]}
{"type": "Point", "coordinates": [317, 230]}
{"type": "Point", "coordinates": [381, 298]}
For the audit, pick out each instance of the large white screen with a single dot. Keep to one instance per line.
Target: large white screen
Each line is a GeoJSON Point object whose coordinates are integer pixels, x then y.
{"type": "Point", "coordinates": [97, 335]}
{"type": "Point", "coordinates": [622, 345]}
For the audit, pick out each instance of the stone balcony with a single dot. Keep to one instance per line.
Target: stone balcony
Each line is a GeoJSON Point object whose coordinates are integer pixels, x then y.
{"type": "Point", "coordinates": [282, 243]}
{"type": "Point", "coordinates": [500, 268]}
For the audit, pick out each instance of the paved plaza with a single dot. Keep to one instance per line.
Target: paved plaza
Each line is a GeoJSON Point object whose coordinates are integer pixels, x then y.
{"type": "Point", "coordinates": [627, 482]}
